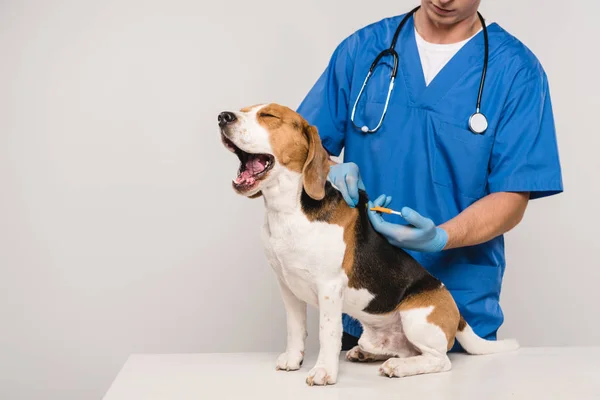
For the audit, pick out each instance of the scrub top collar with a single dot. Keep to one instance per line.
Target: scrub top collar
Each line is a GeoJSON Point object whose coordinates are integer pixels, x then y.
{"type": "Point", "coordinates": [469, 57]}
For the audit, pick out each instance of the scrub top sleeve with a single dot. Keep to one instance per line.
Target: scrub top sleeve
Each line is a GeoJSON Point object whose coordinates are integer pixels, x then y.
{"type": "Point", "coordinates": [525, 153]}
{"type": "Point", "coordinates": [326, 105]}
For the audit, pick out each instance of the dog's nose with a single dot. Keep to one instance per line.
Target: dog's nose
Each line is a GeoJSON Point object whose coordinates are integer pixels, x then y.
{"type": "Point", "coordinates": [225, 118]}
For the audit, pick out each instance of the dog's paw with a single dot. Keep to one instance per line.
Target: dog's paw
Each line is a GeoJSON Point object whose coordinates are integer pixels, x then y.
{"type": "Point", "coordinates": [321, 376]}
{"type": "Point", "coordinates": [290, 361]}
{"type": "Point", "coordinates": [357, 355]}
{"type": "Point", "coordinates": [389, 368]}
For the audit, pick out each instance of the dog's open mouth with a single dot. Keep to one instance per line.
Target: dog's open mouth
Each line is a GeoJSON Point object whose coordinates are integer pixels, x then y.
{"type": "Point", "coordinates": [253, 167]}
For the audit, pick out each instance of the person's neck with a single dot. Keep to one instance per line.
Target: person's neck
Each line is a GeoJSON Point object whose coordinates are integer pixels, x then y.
{"type": "Point", "coordinates": [432, 32]}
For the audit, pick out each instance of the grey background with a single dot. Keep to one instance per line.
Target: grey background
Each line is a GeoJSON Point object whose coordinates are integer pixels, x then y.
{"type": "Point", "coordinates": [119, 232]}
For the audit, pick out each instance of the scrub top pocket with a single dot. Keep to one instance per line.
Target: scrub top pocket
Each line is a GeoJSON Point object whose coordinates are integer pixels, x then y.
{"type": "Point", "coordinates": [461, 159]}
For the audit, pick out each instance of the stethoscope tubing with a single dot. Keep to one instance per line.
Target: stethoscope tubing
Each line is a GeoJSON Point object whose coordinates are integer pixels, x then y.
{"type": "Point", "coordinates": [392, 51]}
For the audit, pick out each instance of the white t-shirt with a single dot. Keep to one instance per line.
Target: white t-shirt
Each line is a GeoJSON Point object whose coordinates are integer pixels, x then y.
{"type": "Point", "coordinates": [435, 56]}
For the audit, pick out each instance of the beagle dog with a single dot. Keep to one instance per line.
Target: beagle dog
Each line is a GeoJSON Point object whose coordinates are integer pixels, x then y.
{"type": "Point", "coordinates": [326, 254]}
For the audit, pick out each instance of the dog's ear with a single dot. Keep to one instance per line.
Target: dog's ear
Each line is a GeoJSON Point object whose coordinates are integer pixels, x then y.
{"type": "Point", "coordinates": [316, 167]}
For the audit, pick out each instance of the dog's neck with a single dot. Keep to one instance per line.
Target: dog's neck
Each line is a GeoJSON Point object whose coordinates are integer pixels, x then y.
{"type": "Point", "coordinates": [282, 194]}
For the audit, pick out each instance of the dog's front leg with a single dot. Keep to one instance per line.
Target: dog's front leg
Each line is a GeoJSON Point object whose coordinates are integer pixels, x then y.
{"type": "Point", "coordinates": [295, 310]}
{"type": "Point", "coordinates": [331, 299]}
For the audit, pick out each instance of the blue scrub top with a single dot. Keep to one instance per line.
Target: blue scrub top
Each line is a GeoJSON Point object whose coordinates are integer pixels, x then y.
{"type": "Point", "coordinates": [424, 155]}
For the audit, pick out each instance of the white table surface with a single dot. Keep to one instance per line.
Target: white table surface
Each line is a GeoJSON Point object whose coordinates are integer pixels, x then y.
{"type": "Point", "coordinates": [530, 373]}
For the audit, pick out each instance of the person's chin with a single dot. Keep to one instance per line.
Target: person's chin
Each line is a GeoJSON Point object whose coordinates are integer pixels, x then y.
{"type": "Point", "coordinates": [441, 18]}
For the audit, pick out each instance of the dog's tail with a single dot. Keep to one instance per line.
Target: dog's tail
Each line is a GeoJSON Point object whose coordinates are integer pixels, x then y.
{"type": "Point", "coordinates": [474, 344]}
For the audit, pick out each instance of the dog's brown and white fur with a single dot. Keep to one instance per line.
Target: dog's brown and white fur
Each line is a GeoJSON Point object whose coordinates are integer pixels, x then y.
{"type": "Point", "coordinates": [326, 254]}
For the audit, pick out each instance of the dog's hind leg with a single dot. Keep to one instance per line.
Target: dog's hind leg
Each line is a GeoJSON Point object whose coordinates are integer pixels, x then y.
{"type": "Point", "coordinates": [381, 341]}
{"type": "Point", "coordinates": [428, 338]}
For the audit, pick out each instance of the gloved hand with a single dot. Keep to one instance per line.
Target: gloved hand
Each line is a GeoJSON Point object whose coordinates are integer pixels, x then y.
{"type": "Point", "coordinates": [422, 236]}
{"type": "Point", "coordinates": [347, 179]}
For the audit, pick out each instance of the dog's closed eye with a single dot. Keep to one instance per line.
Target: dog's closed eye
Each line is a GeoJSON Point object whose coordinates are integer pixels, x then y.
{"type": "Point", "coordinates": [267, 115]}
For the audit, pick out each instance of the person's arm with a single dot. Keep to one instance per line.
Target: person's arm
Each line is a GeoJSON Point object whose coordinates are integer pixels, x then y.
{"type": "Point", "coordinates": [524, 165]}
{"type": "Point", "coordinates": [491, 216]}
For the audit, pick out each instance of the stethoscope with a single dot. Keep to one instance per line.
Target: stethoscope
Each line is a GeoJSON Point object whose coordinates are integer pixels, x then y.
{"type": "Point", "coordinates": [477, 122]}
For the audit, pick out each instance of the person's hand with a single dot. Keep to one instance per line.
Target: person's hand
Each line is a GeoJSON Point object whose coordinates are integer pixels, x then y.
{"type": "Point", "coordinates": [423, 235]}
{"type": "Point", "coordinates": [347, 179]}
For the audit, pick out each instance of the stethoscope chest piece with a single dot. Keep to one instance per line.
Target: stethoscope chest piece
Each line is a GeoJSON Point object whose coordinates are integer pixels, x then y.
{"type": "Point", "coordinates": [478, 123]}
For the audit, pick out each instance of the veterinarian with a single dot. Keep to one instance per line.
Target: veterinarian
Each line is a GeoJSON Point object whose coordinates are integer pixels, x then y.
{"type": "Point", "coordinates": [459, 142]}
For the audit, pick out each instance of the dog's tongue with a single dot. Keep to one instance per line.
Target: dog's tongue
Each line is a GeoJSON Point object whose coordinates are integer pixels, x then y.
{"type": "Point", "coordinates": [253, 166]}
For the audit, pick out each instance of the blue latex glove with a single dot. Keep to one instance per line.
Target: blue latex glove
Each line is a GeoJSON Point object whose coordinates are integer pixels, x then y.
{"type": "Point", "coordinates": [423, 235]}
{"type": "Point", "coordinates": [347, 179]}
